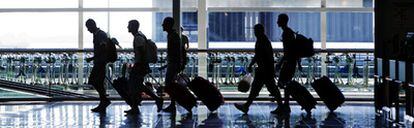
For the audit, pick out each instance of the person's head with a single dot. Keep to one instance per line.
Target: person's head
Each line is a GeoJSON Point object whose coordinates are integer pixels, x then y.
{"type": "Point", "coordinates": [258, 29]}
{"type": "Point", "coordinates": [91, 25]}
{"type": "Point", "coordinates": [282, 20]}
{"type": "Point", "coordinates": [133, 26]}
{"type": "Point", "coordinates": [167, 24]}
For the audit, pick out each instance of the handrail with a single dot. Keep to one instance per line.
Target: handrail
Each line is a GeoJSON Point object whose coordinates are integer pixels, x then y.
{"type": "Point", "coordinates": [33, 50]}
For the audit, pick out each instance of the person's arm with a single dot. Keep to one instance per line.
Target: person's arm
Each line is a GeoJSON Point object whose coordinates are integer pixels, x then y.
{"type": "Point", "coordinates": [177, 47]}
{"type": "Point", "coordinates": [100, 50]}
{"type": "Point", "coordinates": [249, 69]}
{"type": "Point", "coordinates": [186, 42]}
{"type": "Point", "coordinates": [139, 48]}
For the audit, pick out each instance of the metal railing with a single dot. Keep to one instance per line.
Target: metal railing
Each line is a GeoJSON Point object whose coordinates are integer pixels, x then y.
{"type": "Point", "coordinates": [65, 69]}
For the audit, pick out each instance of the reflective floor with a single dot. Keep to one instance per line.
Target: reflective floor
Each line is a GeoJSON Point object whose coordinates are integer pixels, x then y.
{"type": "Point", "coordinates": [77, 114]}
{"type": "Point", "coordinates": [7, 93]}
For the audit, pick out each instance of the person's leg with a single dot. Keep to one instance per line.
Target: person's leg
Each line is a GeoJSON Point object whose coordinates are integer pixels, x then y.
{"type": "Point", "coordinates": [134, 83]}
{"type": "Point", "coordinates": [171, 74]}
{"type": "Point", "coordinates": [256, 86]}
{"type": "Point", "coordinates": [286, 75]}
{"type": "Point", "coordinates": [274, 90]}
{"type": "Point", "coordinates": [158, 100]}
{"type": "Point", "coordinates": [98, 76]}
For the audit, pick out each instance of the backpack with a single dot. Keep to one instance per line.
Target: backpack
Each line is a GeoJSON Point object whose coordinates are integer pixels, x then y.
{"type": "Point", "coordinates": [150, 50]}
{"type": "Point", "coordinates": [112, 55]}
{"type": "Point", "coordinates": [305, 45]}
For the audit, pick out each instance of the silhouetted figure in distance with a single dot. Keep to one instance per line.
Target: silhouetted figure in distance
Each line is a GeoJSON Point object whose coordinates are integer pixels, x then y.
{"type": "Point", "coordinates": [288, 61]}
{"type": "Point", "coordinates": [173, 57]}
{"type": "Point", "coordinates": [184, 48]}
{"type": "Point", "coordinates": [97, 76]}
{"type": "Point", "coordinates": [139, 70]}
{"type": "Point", "coordinates": [265, 72]}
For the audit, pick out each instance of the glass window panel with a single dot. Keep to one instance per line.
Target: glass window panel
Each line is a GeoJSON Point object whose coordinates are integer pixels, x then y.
{"type": "Point", "coordinates": [264, 3]}
{"type": "Point", "coordinates": [39, 4]}
{"type": "Point", "coordinates": [350, 28]}
{"type": "Point", "coordinates": [165, 4]}
{"type": "Point", "coordinates": [189, 23]}
{"type": "Point", "coordinates": [236, 27]}
{"type": "Point", "coordinates": [150, 3]}
{"type": "Point", "coordinates": [349, 3]}
{"type": "Point", "coordinates": [119, 22]}
{"type": "Point", "coordinates": [101, 19]}
{"type": "Point", "coordinates": [95, 3]}
{"type": "Point", "coordinates": [39, 30]}
{"type": "Point", "coordinates": [133, 3]}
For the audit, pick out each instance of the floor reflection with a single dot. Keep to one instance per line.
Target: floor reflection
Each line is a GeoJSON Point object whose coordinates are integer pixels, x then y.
{"type": "Point", "coordinates": [77, 114]}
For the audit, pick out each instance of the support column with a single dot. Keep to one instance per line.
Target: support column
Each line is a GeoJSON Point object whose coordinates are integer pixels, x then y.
{"type": "Point", "coordinates": [177, 15]}
{"type": "Point", "coordinates": [80, 44]}
{"type": "Point", "coordinates": [323, 38]}
{"type": "Point", "coordinates": [202, 20]}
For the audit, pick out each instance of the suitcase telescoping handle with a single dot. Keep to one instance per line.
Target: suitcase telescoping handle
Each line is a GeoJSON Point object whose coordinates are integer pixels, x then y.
{"type": "Point", "coordinates": [109, 80]}
{"type": "Point", "coordinates": [156, 81]}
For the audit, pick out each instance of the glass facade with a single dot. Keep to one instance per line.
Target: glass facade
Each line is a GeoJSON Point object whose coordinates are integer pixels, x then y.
{"type": "Point", "coordinates": [336, 24]}
{"type": "Point", "coordinates": [349, 27]}
{"type": "Point", "coordinates": [228, 21]}
{"type": "Point", "coordinates": [39, 30]}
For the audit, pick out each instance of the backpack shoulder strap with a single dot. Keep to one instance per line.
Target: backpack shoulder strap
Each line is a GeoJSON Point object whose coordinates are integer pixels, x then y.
{"type": "Point", "coordinates": [142, 35]}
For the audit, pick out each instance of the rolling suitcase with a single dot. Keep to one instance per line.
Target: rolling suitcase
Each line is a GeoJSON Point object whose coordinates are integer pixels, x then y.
{"type": "Point", "coordinates": [182, 95]}
{"type": "Point", "coordinates": [301, 95]}
{"type": "Point", "coordinates": [120, 85]}
{"type": "Point", "coordinates": [329, 93]}
{"type": "Point", "coordinates": [207, 93]}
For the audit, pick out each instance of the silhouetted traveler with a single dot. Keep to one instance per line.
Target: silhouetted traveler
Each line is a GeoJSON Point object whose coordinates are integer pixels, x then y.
{"type": "Point", "coordinates": [139, 70]}
{"type": "Point", "coordinates": [265, 72]}
{"type": "Point", "coordinates": [173, 57]}
{"type": "Point", "coordinates": [97, 76]}
{"type": "Point", "coordinates": [288, 61]}
{"type": "Point", "coordinates": [184, 48]}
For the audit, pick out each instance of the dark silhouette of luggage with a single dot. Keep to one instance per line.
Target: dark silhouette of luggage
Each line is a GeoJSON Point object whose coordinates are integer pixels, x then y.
{"type": "Point", "coordinates": [301, 95]}
{"type": "Point", "coordinates": [207, 93]}
{"type": "Point", "coordinates": [183, 79]}
{"type": "Point", "coordinates": [245, 83]}
{"type": "Point", "coordinates": [121, 86]}
{"type": "Point", "coordinates": [182, 95]}
{"type": "Point", "coordinates": [329, 93]}
{"type": "Point", "coordinates": [112, 55]}
{"type": "Point", "coordinates": [303, 46]}
{"type": "Point", "coordinates": [379, 96]}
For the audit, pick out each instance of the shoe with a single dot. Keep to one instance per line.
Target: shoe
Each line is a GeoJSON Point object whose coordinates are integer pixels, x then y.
{"type": "Point", "coordinates": [102, 106]}
{"type": "Point", "coordinates": [99, 109]}
{"type": "Point", "coordinates": [132, 111]}
{"type": "Point", "coordinates": [242, 108]}
{"type": "Point", "coordinates": [277, 111]}
{"type": "Point", "coordinates": [308, 113]}
{"type": "Point", "coordinates": [170, 109]}
{"type": "Point", "coordinates": [282, 111]}
{"type": "Point", "coordinates": [159, 104]}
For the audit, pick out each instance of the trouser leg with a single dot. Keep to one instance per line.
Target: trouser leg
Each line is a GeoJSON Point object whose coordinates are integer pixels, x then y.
{"type": "Point", "coordinates": [171, 74]}
{"type": "Point", "coordinates": [97, 78]}
{"type": "Point", "coordinates": [257, 85]}
{"type": "Point", "coordinates": [274, 90]}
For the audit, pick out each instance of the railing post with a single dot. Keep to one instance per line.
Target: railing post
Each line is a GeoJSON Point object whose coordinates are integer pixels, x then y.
{"type": "Point", "coordinates": [80, 46]}
{"type": "Point", "coordinates": [323, 38]}
{"type": "Point", "coordinates": [202, 37]}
